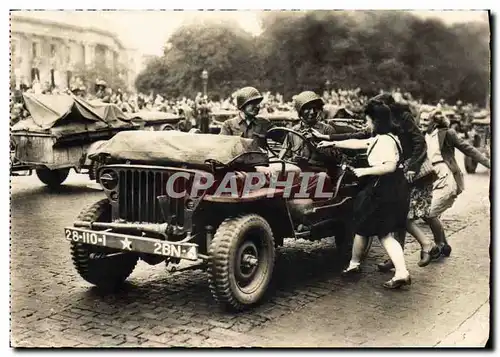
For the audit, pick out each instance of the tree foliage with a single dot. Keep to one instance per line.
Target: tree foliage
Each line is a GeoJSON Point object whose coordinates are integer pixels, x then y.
{"type": "Point", "coordinates": [223, 49]}
{"type": "Point", "coordinates": [301, 50]}
{"type": "Point", "coordinates": [114, 76]}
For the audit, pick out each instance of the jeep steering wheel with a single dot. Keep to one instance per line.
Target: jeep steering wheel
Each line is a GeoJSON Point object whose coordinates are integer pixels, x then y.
{"type": "Point", "coordinates": [289, 152]}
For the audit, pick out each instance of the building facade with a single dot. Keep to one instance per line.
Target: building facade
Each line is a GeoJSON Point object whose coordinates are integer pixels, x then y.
{"type": "Point", "coordinates": [51, 52]}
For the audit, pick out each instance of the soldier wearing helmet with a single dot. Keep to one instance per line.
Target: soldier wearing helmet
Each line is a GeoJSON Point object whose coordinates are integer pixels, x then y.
{"type": "Point", "coordinates": [247, 124]}
{"type": "Point", "coordinates": [309, 107]}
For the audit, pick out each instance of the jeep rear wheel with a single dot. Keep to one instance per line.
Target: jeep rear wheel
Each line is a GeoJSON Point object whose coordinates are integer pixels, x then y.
{"type": "Point", "coordinates": [52, 178]}
{"type": "Point", "coordinates": [241, 261]}
{"type": "Point", "coordinates": [101, 266]}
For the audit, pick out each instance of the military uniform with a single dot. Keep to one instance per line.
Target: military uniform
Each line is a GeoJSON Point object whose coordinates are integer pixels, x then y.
{"type": "Point", "coordinates": [301, 100]}
{"type": "Point", "coordinates": [251, 128]}
{"type": "Point", "coordinates": [320, 126]}
{"type": "Point", "coordinates": [302, 128]}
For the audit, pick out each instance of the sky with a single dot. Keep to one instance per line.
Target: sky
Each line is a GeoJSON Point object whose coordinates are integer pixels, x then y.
{"type": "Point", "coordinates": [148, 31]}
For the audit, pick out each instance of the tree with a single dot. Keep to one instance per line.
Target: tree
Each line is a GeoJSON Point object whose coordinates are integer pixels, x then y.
{"type": "Point", "coordinates": [300, 50]}
{"type": "Point", "coordinates": [372, 50]}
{"type": "Point", "coordinates": [152, 78]}
{"type": "Point", "coordinates": [115, 76]}
{"type": "Point", "coordinates": [223, 49]}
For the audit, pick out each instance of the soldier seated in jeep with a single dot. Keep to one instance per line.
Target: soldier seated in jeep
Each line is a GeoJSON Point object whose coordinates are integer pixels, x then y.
{"type": "Point", "coordinates": [247, 124]}
{"type": "Point", "coordinates": [309, 107]}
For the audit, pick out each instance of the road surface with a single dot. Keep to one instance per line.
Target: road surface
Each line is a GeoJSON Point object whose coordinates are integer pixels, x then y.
{"type": "Point", "coordinates": [309, 305]}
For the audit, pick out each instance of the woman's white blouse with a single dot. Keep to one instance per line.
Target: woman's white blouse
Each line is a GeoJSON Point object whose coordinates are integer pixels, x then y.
{"type": "Point", "coordinates": [382, 149]}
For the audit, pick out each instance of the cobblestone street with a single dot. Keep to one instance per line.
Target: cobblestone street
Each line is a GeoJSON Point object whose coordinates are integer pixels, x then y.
{"type": "Point", "coordinates": [309, 304]}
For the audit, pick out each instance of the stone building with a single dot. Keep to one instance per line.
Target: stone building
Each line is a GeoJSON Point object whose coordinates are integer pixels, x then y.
{"type": "Point", "coordinates": [50, 46]}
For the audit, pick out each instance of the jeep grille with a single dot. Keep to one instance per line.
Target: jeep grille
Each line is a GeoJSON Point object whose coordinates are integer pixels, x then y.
{"type": "Point", "coordinates": [139, 189]}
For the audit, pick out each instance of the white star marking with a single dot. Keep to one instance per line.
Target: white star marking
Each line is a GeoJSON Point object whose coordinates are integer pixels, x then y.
{"type": "Point", "coordinates": [191, 253]}
{"type": "Point", "coordinates": [126, 244]}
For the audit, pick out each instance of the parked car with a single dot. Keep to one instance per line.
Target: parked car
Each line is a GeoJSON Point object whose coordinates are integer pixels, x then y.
{"type": "Point", "coordinates": [218, 117]}
{"type": "Point", "coordinates": [156, 120]}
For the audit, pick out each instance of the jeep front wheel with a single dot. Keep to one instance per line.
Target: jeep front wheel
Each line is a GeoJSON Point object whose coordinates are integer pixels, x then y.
{"type": "Point", "coordinates": [52, 178]}
{"type": "Point", "coordinates": [241, 261]}
{"type": "Point", "coordinates": [103, 267]}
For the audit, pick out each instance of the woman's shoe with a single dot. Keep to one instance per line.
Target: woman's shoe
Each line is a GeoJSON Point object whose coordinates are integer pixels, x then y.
{"type": "Point", "coordinates": [351, 271]}
{"type": "Point", "coordinates": [446, 250]}
{"type": "Point", "coordinates": [397, 283]}
{"type": "Point", "coordinates": [385, 266]}
{"type": "Point", "coordinates": [436, 253]}
{"type": "Point", "coordinates": [426, 257]}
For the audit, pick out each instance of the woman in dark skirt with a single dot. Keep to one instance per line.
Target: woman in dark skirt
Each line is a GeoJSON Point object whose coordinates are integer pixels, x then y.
{"type": "Point", "coordinates": [414, 152]}
{"type": "Point", "coordinates": [381, 208]}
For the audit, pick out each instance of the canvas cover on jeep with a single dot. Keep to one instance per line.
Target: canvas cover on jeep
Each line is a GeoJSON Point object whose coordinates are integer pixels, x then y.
{"type": "Point", "coordinates": [63, 115]}
{"type": "Point", "coordinates": [174, 147]}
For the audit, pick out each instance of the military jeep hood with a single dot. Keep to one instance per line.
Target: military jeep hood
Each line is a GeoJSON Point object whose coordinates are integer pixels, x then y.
{"type": "Point", "coordinates": [163, 147]}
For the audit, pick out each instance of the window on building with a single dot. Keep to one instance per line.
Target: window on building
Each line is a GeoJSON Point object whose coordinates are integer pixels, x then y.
{"type": "Point", "coordinates": [34, 49]}
{"type": "Point", "coordinates": [53, 50]}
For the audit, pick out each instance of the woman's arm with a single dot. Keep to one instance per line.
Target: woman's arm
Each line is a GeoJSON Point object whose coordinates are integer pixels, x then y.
{"type": "Point", "coordinates": [363, 134]}
{"type": "Point", "coordinates": [354, 144]}
{"type": "Point", "coordinates": [467, 149]}
{"type": "Point", "coordinates": [379, 170]}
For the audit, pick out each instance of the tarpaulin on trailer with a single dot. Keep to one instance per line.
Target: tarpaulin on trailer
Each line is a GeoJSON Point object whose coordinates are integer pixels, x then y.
{"type": "Point", "coordinates": [157, 147]}
{"type": "Point", "coordinates": [61, 115]}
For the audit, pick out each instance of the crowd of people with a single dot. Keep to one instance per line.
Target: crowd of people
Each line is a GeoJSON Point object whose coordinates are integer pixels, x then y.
{"type": "Point", "coordinates": [351, 100]}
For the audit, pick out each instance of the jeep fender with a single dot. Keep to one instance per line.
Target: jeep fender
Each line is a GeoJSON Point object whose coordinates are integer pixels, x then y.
{"type": "Point", "coordinates": [86, 162]}
{"type": "Point", "coordinates": [274, 211]}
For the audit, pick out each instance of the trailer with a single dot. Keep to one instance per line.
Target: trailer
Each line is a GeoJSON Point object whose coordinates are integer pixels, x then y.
{"type": "Point", "coordinates": [58, 133]}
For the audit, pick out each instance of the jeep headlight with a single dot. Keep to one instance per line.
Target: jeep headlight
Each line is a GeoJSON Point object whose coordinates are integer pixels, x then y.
{"type": "Point", "coordinates": [109, 179]}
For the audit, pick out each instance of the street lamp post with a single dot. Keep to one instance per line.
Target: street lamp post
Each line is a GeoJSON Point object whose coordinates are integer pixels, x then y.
{"type": "Point", "coordinates": [204, 77]}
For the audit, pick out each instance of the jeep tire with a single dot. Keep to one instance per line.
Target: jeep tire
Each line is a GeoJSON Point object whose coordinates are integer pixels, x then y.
{"type": "Point", "coordinates": [52, 178]}
{"type": "Point", "coordinates": [241, 261]}
{"type": "Point", "coordinates": [92, 262]}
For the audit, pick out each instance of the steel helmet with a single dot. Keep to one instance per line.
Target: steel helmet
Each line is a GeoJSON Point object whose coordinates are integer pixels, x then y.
{"type": "Point", "coordinates": [306, 98]}
{"type": "Point", "coordinates": [247, 94]}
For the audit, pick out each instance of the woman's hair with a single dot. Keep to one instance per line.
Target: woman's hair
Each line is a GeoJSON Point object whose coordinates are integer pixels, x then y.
{"type": "Point", "coordinates": [397, 109]}
{"type": "Point", "coordinates": [381, 115]}
{"type": "Point", "coordinates": [385, 98]}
